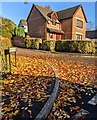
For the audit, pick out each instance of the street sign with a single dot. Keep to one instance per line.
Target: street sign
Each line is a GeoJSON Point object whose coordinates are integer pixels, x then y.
{"type": "Point", "coordinates": [8, 52]}
{"type": "Point", "coordinates": [12, 49]}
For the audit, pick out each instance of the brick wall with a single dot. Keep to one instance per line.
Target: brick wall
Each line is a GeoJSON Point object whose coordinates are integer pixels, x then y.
{"type": "Point", "coordinates": [18, 41]}
{"type": "Point", "coordinates": [67, 28]}
{"type": "Point", "coordinates": [75, 30]}
{"type": "Point", "coordinates": [36, 24]}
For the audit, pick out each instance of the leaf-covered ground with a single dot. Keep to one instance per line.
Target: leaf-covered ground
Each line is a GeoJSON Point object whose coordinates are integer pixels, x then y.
{"type": "Point", "coordinates": [26, 90]}
{"type": "Point", "coordinates": [75, 77]}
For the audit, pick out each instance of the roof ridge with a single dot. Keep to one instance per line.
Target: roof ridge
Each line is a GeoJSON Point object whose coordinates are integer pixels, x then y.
{"type": "Point", "coordinates": [42, 7]}
{"type": "Point", "coordinates": [44, 11]}
{"type": "Point", "coordinates": [70, 8]}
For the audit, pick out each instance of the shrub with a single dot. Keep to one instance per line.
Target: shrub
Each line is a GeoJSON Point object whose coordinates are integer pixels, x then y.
{"type": "Point", "coordinates": [75, 46]}
{"type": "Point", "coordinates": [5, 43]}
{"type": "Point", "coordinates": [47, 45]}
{"type": "Point", "coordinates": [32, 43]}
{"type": "Point", "coordinates": [39, 40]}
{"type": "Point", "coordinates": [95, 46]}
{"type": "Point", "coordinates": [59, 46]}
{"type": "Point", "coordinates": [28, 43]}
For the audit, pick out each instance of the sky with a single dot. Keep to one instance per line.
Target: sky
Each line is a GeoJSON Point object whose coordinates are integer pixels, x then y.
{"type": "Point", "coordinates": [18, 10]}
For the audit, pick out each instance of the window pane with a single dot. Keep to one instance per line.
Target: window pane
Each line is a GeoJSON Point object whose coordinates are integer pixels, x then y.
{"type": "Point", "coordinates": [78, 37]}
{"type": "Point", "coordinates": [51, 35]}
{"type": "Point", "coordinates": [79, 23]}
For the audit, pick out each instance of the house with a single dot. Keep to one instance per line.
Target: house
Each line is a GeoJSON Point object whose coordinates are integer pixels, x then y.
{"type": "Point", "coordinates": [91, 34]}
{"type": "Point", "coordinates": [73, 23]}
{"type": "Point", "coordinates": [44, 23]}
{"type": "Point", "coordinates": [23, 23]}
{"type": "Point", "coordinates": [50, 25]}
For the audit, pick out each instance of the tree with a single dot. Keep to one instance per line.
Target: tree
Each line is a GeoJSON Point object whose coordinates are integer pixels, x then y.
{"type": "Point", "coordinates": [90, 25]}
{"type": "Point", "coordinates": [6, 27]}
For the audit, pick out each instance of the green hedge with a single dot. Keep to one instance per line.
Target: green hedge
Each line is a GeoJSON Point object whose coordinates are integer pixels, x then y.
{"type": "Point", "coordinates": [47, 45]}
{"type": "Point", "coordinates": [32, 43]}
{"type": "Point", "coordinates": [75, 46]}
{"type": "Point", "coordinates": [96, 46]}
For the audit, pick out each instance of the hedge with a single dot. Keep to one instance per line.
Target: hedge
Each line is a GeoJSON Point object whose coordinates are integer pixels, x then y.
{"type": "Point", "coordinates": [96, 46]}
{"type": "Point", "coordinates": [32, 43]}
{"type": "Point", "coordinates": [75, 46]}
{"type": "Point", "coordinates": [47, 45]}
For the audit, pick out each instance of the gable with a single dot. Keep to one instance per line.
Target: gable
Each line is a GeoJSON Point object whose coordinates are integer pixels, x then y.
{"type": "Point", "coordinates": [34, 13]}
{"type": "Point", "coordinates": [67, 13]}
{"type": "Point", "coordinates": [80, 13]}
{"type": "Point", "coordinates": [54, 15]}
{"type": "Point", "coordinates": [42, 10]}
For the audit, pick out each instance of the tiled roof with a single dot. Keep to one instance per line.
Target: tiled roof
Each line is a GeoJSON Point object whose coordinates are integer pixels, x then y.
{"type": "Point", "coordinates": [63, 14]}
{"type": "Point", "coordinates": [44, 11]}
{"type": "Point", "coordinates": [52, 30]}
{"type": "Point", "coordinates": [67, 13]}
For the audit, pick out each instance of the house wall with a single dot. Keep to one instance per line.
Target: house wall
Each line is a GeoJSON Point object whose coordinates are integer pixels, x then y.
{"type": "Point", "coordinates": [57, 26]}
{"type": "Point", "coordinates": [36, 24]}
{"type": "Point", "coordinates": [75, 30]}
{"type": "Point", "coordinates": [26, 29]}
{"type": "Point", "coordinates": [50, 25]}
{"type": "Point", "coordinates": [67, 28]}
{"type": "Point", "coordinates": [54, 37]}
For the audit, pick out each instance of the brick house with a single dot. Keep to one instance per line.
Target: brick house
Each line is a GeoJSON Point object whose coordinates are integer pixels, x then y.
{"type": "Point", "coordinates": [43, 22]}
{"type": "Point", "coordinates": [50, 25]}
{"type": "Point", "coordinates": [73, 22]}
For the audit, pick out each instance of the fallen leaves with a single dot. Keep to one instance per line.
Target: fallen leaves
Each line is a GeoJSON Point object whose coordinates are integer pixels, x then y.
{"type": "Point", "coordinates": [18, 92]}
{"type": "Point", "coordinates": [29, 84]}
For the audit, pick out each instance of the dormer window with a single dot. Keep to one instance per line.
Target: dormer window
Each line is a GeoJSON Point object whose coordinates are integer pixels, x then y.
{"type": "Point", "coordinates": [53, 22]}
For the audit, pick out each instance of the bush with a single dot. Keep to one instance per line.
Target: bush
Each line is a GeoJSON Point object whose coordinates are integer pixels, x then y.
{"type": "Point", "coordinates": [5, 43]}
{"type": "Point", "coordinates": [32, 43]}
{"type": "Point", "coordinates": [59, 46]}
{"type": "Point", "coordinates": [75, 46]}
{"type": "Point", "coordinates": [39, 40]}
{"type": "Point", "coordinates": [96, 47]}
{"type": "Point", "coordinates": [47, 45]}
{"type": "Point", "coordinates": [28, 43]}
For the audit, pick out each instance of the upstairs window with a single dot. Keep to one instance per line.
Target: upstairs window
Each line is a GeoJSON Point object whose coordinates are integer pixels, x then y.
{"type": "Point", "coordinates": [79, 23]}
{"type": "Point", "coordinates": [78, 37]}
